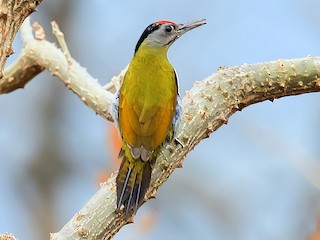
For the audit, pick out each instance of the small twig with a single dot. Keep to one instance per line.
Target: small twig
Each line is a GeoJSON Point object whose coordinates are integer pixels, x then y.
{"type": "Point", "coordinates": [41, 54]}
{"type": "Point", "coordinates": [60, 37]}
{"type": "Point", "coordinates": [116, 82]}
{"type": "Point", "coordinates": [39, 32]}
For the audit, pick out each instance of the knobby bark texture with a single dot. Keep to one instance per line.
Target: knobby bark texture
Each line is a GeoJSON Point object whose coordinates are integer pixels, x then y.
{"type": "Point", "coordinates": [12, 15]}
{"type": "Point", "coordinates": [206, 107]}
{"type": "Point", "coordinates": [7, 236]}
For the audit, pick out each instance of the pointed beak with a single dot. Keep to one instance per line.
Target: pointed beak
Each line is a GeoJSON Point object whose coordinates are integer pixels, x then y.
{"type": "Point", "coordinates": [185, 27]}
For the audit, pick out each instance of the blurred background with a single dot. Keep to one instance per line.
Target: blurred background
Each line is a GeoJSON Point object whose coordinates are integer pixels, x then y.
{"type": "Point", "coordinates": [256, 178]}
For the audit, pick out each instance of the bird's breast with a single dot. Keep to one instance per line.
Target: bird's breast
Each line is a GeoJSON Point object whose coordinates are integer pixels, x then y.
{"type": "Point", "coordinates": [147, 102]}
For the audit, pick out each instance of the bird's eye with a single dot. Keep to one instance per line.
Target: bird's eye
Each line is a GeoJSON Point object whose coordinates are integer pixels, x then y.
{"type": "Point", "coordinates": [169, 28]}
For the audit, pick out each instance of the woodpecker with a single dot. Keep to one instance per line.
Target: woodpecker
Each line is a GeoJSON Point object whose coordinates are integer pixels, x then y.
{"type": "Point", "coordinates": [146, 109]}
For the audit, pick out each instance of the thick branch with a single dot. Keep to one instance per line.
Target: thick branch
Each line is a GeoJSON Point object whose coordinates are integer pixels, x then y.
{"type": "Point", "coordinates": [39, 54]}
{"type": "Point", "coordinates": [18, 74]}
{"type": "Point", "coordinates": [12, 15]}
{"type": "Point", "coordinates": [206, 107]}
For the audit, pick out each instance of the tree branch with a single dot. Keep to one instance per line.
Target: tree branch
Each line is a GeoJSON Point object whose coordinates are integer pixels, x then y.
{"type": "Point", "coordinates": [207, 106]}
{"type": "Point", "coordinates": [7, 236]}
{"type": "Point", "coordinates": [12, 15]}
{"type": "Point", "coordinates": [40, 54]}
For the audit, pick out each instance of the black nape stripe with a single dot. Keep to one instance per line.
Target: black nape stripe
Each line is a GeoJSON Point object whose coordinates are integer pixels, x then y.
{"type": "Point", "coordinates": [151, 28]}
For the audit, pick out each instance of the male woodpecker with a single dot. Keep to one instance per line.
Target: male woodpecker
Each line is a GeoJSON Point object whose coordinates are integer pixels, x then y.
{"type": "Point", "coordinates": [146, 109]}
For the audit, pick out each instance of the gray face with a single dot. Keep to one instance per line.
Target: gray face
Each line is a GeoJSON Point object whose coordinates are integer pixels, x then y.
{"type": "Point", "coordinates": [165, 35]}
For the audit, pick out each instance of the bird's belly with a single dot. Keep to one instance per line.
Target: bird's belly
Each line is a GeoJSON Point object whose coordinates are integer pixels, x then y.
{"type": "Point", "coordinates": [146, 117]}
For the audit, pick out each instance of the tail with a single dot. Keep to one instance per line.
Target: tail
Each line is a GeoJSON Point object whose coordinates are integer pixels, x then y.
{"type": "Point", "coordinates": [133, 181]}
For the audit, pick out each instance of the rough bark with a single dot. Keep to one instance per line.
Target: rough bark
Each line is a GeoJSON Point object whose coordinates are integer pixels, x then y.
{"type": "Point", "coordinates": [12, 15]}
{"type": "Point", "coordinates": [7, 236]}
{"type": "Point", "coordinates": [207, 106]}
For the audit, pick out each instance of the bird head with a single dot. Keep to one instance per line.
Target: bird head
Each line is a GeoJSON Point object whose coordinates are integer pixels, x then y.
{"type": "Point", "coordinates": [164, 33]}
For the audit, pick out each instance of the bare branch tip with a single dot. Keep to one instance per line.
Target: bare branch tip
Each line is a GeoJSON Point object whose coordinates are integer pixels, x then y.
{"type": "Point", "coordinates": [56, 29]}
{"type": "Point", "coordinates": [39, 31]}
{"type": "Point", "coordinates": [60, 37]}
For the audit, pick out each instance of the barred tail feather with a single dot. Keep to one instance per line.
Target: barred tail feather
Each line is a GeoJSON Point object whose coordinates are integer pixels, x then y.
{"type": "Point", "coordinates": [133, 181]}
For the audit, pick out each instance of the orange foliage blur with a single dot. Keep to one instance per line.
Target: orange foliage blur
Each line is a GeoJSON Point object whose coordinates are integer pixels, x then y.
{"type": "Point", "coordinates": [147, 221]}
{"type": "Point", "coordinates": [112, 134]}
{"type": "Point", "coordinates": [116, 145]}
{"type": "Point", "coordinates": [316, 234]}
